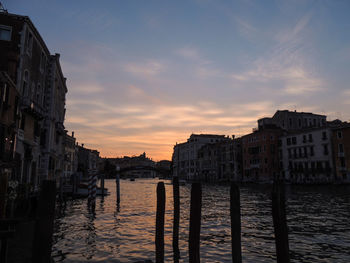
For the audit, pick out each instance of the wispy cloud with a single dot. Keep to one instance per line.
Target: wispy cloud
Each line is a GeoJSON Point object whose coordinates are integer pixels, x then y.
{"type": "Point", "coordinates": [295, 32]}
{"type": "Point", "coordinates": [148, 68]}
{"type": "Point", "coordinates": [164, 124]}
{"type": "Point", "coordinates": [245, 28]}
{"type": "Point", "coordinates": [285, 64]}
{"type": "Point", "coordinates": [189, 53]}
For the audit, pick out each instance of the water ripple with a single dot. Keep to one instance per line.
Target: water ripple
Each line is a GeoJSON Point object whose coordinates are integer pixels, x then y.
{"type": "Point", "coordinates": [318, 222]}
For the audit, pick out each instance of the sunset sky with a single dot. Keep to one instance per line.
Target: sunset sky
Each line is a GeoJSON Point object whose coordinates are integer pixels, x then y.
{"type": "Point", "coordinates": [143, 75]}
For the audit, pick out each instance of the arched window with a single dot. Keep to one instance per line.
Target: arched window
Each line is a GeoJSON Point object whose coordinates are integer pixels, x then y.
{"type": "Point", "coordinates": [38, 94]}
{"type": "Point", "coordinates": [25, 83]}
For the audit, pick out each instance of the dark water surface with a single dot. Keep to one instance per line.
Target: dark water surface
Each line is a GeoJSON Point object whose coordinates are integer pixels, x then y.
{"type": "Point", "coordinates": [318, 220]}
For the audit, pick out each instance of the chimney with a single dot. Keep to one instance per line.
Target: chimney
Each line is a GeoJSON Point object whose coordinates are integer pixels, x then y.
{"type": "Point", "coordinates": [73, 134]}
{"type": "Point", "coordinates": [82, 145]}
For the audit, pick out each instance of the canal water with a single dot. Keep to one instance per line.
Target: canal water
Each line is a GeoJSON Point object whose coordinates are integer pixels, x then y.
{"type": "Point", "coordinates": [318, 220]}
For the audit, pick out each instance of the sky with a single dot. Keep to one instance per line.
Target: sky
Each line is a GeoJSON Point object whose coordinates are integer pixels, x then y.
{"type": "Point", "coordinates": [145, 75]}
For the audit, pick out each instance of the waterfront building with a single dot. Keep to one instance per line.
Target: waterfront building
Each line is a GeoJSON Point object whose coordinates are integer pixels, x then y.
{"type": "Point", "coordinates": [9, 97]}
{"type": "Point", "coordinates": [307, 156]}
{"type": "Point", "coordinates": [52, 134]}
{"type": "Point", "coordinates": [88, 161]}
{"type": "Point", "coordinates": [341, 152]}
{"type": "Point", "coordinates": [138, 162]}
{"type": "Point", "coordinates": [71, 156]}
{"type": "Point", "coordinates": [261, 162]}
{"type": "Point", "coordinates": [165, 166]}
{"type": "Point", "coordinates": [24, 56]}
{"type": "Point", "coordinates": [41, 88]}
{"type": "Point", "coordinates": [185, 155]}
{"type": "Point", "coordinates": [220, 161]}
{"type": "Point", "coordinates": [293, 120]}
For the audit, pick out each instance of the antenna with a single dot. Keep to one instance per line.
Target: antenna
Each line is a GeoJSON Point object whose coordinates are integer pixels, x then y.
{"type": "Point", "coordinates": [2, 8]}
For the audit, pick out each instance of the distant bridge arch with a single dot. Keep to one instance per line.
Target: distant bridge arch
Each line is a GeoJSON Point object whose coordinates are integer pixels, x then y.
{"type": "Point", "coordinates": [159, 171]}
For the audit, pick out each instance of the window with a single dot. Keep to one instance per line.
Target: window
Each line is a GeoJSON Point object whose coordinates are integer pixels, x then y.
{"type": "Point", "coordinates": [288, 141]}
{"type": "Point", "coordinates": [312, 151]}
{"type": "Point", "coordinates": [324, 135]}
{"type": "Point", "coordinates": [341, 148]}
{"type": "Point", "coordinates": [310, 137]}
{"type": "Point", "coordinates": [304, 138]}
{"type": "Point", "coordinates": [5, 33]}
{"type": "Point", "coordinates": [43, 63]}
{"type": "Point", "coordinates": [294, 140]}
{"type": "Point", "coordinates": [325, 149]}
{"type": "Point", "coordinates": [38, 94]}
{"type": "Point", "coordinates": [312, 165]}
{"type": "Point", "coordinates": [5, 94]}
{"type": "Point", "coordinates": [342, 161]}
{"type": "Point", "coordinates": [36, 129]}
{"type": "Point", "coordinates": [25, 83]}
{"type": "Point", "coordinates": [29, 43]}
{"type": "Point", "coordinates": [15, 110]}
{"type": "Point", "coordinates": [299, 123]}
{"type": "Point", "coordinates": [339, 134]}
{"type": "Point", "coordinates": [23, 122]}
{"type": "Point", "coordinates": [328, 167]}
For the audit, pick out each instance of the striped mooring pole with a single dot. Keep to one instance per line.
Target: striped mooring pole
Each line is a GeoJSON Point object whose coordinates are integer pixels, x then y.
{"type": "Point", "coordinates": [94, 188]}
{"type": "Point", "coordinates": [89, 188]}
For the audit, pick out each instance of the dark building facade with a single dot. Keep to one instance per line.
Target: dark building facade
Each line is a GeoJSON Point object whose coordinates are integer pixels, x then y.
{"type": "Point", "coordinates": [261, 162]}
{"type": "Point", "coordinates": [26, 60]}
{"type": "Point", "coordinates": [8, 123]}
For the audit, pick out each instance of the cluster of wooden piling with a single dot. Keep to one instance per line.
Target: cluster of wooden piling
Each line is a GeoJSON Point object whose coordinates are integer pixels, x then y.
{"type": "Point", "coordinates": [278, 214]}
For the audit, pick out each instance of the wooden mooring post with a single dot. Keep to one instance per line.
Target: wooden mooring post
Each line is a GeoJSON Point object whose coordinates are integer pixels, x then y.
{"type": "Point", "coordinates": [235, 211]}
{"type": "Point", "coordinates": [117, 182]}
{"type": "Point", "coordinates": [280, 222]}
{"type": "Point", "coordinates": [195, 223]}
{"type": "Point", "coordinates": [103, 185]}
{"type": "Point", "coordinates": [176, 196]}
{"type": "Point", "coordinates": [41, 252]}
{"type": "Point", "coordinates": [160, 223]}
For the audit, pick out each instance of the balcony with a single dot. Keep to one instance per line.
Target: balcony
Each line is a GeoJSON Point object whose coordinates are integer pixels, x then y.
{"type": "Point", "coordinates": [31, 107]}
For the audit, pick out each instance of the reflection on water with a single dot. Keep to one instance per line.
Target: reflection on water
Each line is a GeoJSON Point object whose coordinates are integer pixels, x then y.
{"type": "Point", "coordinates": [318, 221]}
